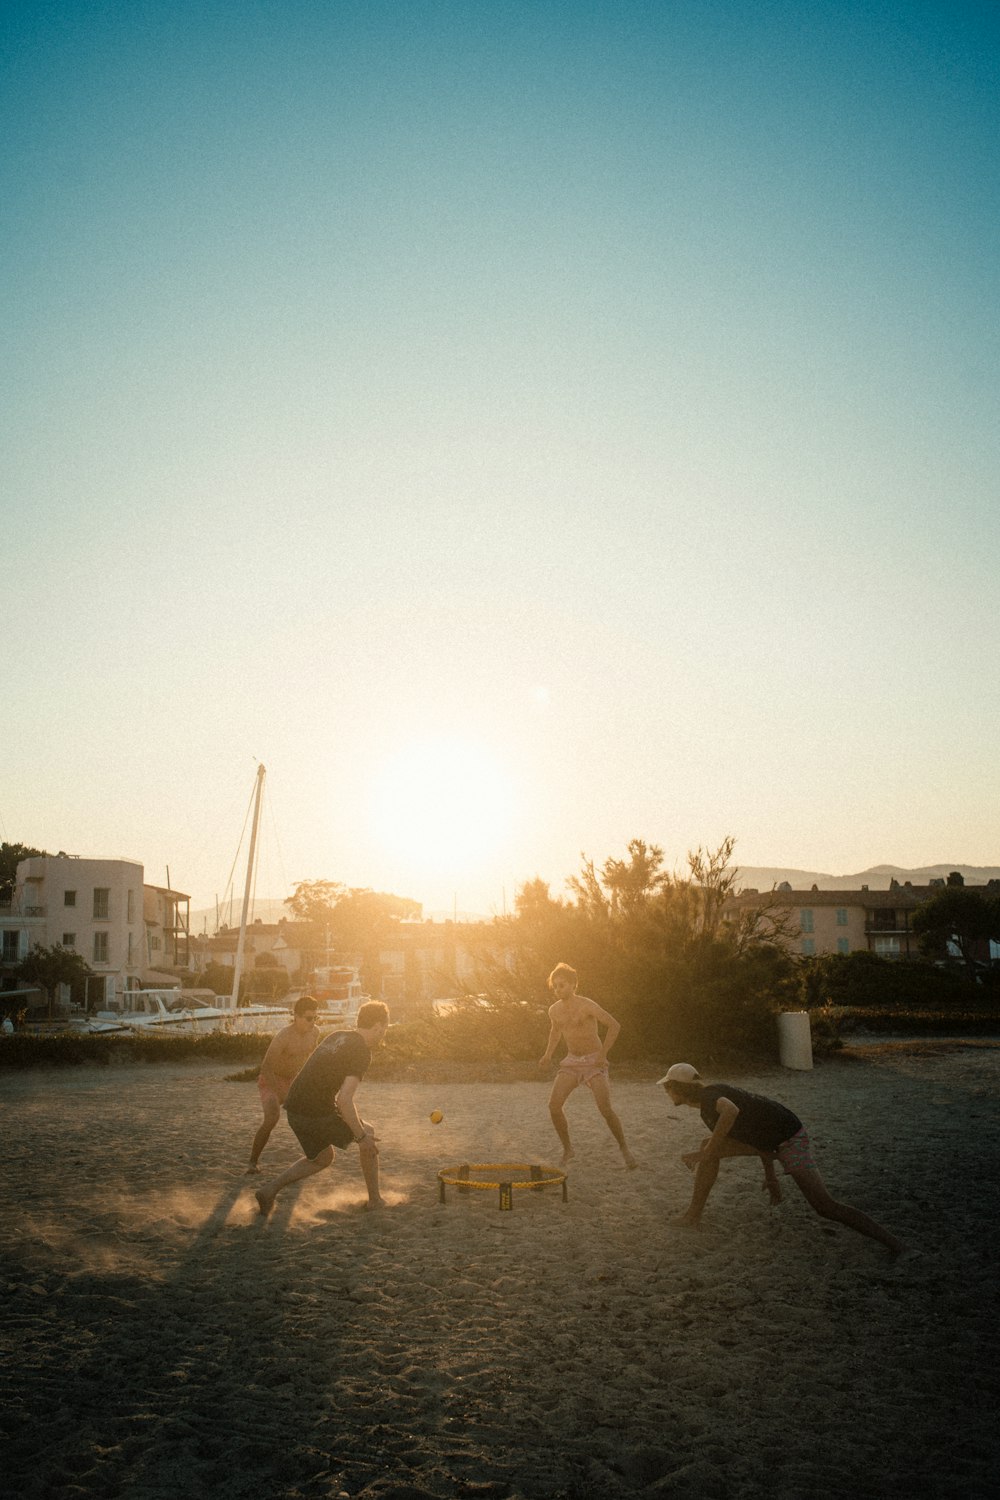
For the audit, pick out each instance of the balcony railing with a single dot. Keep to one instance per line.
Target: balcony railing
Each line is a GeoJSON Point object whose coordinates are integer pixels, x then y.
{"type": "Point", "coordinates": [14, 909]}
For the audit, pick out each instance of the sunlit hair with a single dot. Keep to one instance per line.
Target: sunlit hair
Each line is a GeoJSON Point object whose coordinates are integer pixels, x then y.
{"type": "Point", "coordinates": [304, 1003]}
{"type": "Point", "coordinates": [562, 971]}
{"type": "Point", "coordinates": [372, 1013]}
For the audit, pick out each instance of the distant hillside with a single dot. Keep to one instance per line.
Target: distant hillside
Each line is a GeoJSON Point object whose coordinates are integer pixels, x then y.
{"type": "Point", "coordinates": [763, 877]}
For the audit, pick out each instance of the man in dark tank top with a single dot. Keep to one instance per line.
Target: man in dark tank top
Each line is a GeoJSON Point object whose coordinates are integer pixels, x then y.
{"type": "Point", "coordinates": [745, 1124]}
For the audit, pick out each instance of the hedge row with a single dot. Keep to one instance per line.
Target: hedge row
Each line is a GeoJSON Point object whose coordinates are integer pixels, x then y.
{"type": "Point", "coordinates": [24, 1050]}
{"type": "Point", "coordinates": [493, 1036]}
{"type": "Point", "coordinates": [917, 1023]}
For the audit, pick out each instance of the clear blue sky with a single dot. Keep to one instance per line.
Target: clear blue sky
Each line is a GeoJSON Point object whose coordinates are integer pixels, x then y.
{"type": "Point", "coordinates": [602, 396]}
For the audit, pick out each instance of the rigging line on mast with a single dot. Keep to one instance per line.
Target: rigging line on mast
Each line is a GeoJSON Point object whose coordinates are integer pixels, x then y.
{"type": "Point", "coordinates": [269, 805]}
{"type": "Point", "coordinates": [228, 887]}
{"type": "Point", "coordinates": [266, 810]}
{"type": "Point", "coordinates": [253, 888]}
{"type": "Point", "coordinates": [248, 884]}
{"type": "Point", "coordinates": [210, 828]}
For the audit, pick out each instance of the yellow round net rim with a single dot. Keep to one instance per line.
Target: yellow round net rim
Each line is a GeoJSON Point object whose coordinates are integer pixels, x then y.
{"type": "Point", "coordinates": [449, 1175]}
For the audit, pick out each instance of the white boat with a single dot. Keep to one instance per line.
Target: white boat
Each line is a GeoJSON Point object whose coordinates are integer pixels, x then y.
{"type": "Point", "coordinates": [149, 1010]}
{"type": "Point", "coordinates": [200, 1012]}
{"type": "Point", "coordinates": [337, 988]}
{"type": "Point", "coordinates": [93, 1026]}
{"type": "Point", "coordinates": [179, 1011]}
{"type": "Point", "coordinates": [255, 1018]}
{"type": "Point", "coordinates": [76, 1025]}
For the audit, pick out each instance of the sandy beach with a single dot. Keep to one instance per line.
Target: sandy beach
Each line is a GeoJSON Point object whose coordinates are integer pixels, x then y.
{"type": "Point", "coordinates": [162, 1340]}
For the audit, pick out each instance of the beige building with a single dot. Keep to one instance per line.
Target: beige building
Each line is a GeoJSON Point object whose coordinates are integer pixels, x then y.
{"type": "Point", "coordinates": [129, 933]}
{"type": "Point", "coordinates": [864, 921]}
{"type": "Point", "coordinates": [427, 961]}
{"type": "Point", "coordinates": [286, 942]}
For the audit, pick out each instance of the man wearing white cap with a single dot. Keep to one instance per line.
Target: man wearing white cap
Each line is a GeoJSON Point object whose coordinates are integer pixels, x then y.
{"type": "Point", "coordinates": [746, 1124]}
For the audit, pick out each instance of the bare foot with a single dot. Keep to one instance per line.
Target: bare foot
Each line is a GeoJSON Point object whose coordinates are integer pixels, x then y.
{"type": "Point", "coordinates": [252, 1170]}
{"type": "Point", "coordinates": [567, 1157]}
{"type": "Point", "coordinates": [691, 1159]}
{"type": "Point", "coordinates": [629, 1160]}
{"type": "Point", "coordinates": [687, 1222]}
{"type": "Point", "coordinates": [265, 1201]}
{"type": "Point", "coordinates": [772, 1187]}
{"type": "Point", "coordinates": [374, 1203]}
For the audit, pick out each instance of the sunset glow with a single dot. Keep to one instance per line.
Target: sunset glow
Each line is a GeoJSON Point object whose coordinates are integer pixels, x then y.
{"type": "Point", "coordinates": [441, 805]}
{"type": "Point", "coordinates": [606, 392]}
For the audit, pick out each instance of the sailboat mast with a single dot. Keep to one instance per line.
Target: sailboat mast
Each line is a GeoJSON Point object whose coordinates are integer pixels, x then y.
{"type": "Point", "coordinates": [238, 966]}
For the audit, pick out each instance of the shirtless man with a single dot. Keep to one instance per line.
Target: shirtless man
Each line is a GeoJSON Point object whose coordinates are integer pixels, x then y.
{"type": "Point", "coordinates": [575, 1020]}
{"type": "Point", "coordinates": [282, 1060]}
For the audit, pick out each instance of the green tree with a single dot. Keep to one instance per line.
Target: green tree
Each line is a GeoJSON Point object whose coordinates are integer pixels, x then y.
{"type": "Point", "coordinates": [313, 901]}
{"type": "Point", "coordinates": [353, 922]}
{"type": "Point", "coordinates": [50, 967]}
{"type": "Point", "coordinates": [534, 901]}
{"type": "Point", "coordinates": [216, 977]}
{"type": "Point", "coordinates": [960, 916]}
{"type": "Point", "coordinates": [362, 922]}
{"type": "Point", "coordinates": [624, 886]}
{"type": "Point", "coordinates": [713, 881]}
{"type": "Point", "coordinates": [11, 856]}
{"type": "Point", "coordinates": [264, 981]}
{"type": "Point", "coordinates": [361, 917]}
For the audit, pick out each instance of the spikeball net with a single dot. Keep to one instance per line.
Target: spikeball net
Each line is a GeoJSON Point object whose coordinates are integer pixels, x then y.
{"type": "Point", "coordinates": [470, 1176]}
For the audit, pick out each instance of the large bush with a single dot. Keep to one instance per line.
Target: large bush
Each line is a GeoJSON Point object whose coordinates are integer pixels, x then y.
{"type": "Point", "coordinates": [656, 951]}
{"type": "Point", "coordinates": [472, 1032]}
{"type": "Point", "coordinates": [712, 1004]}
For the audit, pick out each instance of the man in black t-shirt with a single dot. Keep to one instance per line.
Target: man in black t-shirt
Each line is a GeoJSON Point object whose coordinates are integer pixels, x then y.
{"type": "Point", "coordinates": [321, 1109]}
{"type": "Point", "coordinates": [746, 1124]}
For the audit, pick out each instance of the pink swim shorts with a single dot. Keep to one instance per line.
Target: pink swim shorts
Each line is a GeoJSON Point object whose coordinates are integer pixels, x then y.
{"type": "Point", "coordinates": [267, 1092]}
{"type": "Point", "coordinates": [584, 1069]}
{"type": "Point", "coordinates": [796, 1152]}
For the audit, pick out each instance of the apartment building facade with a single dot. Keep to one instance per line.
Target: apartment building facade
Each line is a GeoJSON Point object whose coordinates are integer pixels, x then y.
{"type": "Point", "coordinates": [862, 921]}
{"type": "Point", "coordinates": [128, 933]}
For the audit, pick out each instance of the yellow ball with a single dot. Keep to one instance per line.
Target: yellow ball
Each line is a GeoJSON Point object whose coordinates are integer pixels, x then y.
{"type": "Point", "coordinates": [436, 1117]}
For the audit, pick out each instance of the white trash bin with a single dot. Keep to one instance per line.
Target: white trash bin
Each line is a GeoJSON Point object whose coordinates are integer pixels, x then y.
{"type": "Point", "coordinates": [795, 1040]}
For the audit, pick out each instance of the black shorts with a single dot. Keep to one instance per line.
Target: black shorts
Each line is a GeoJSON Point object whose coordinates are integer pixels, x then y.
{"type": "Point", "coordinates": [315, 1132]}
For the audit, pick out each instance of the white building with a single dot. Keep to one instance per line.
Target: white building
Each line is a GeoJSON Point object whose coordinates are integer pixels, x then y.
{"type": "Point", "coordinates": [127, 932]}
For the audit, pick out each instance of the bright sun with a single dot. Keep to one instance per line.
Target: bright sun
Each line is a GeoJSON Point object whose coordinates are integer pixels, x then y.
{"type": "Point", "coordinates": [441, 805]}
